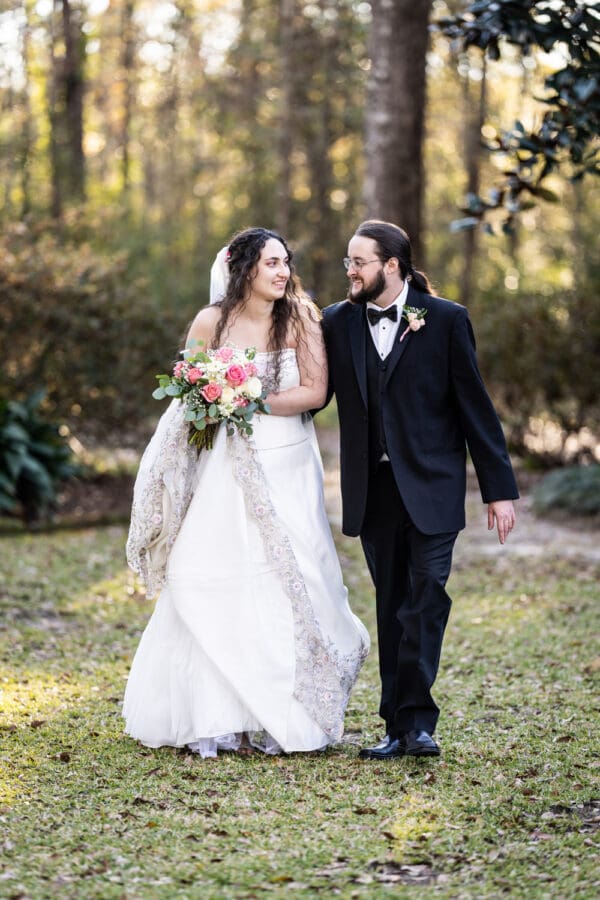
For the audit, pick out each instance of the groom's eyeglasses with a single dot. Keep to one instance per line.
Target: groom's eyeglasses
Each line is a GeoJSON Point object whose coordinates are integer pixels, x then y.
{"type": "Point", "coordinates": [357, 263]}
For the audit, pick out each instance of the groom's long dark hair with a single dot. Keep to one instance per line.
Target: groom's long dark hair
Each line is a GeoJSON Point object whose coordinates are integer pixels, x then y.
{"type": "Point", "coordinates": [393, 241]}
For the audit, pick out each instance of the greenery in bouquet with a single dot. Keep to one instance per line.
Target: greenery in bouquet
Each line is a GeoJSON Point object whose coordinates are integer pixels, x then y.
{"type": "Point", "coordinates": [216, 385]}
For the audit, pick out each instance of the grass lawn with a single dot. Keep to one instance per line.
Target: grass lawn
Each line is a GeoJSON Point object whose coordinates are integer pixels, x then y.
{"type": "Point", "coordinates": [512, 808]}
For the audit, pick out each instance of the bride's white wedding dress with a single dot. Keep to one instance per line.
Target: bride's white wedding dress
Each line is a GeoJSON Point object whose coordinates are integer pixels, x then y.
{"type": "Point", "coordinates": [252, 635]}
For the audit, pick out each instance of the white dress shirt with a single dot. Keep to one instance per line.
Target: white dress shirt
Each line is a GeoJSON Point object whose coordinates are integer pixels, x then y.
{"type": "Point", "coordinates": [384, 332]}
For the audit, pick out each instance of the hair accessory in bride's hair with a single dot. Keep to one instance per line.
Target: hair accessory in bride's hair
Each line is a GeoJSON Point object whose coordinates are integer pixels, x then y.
{"type": "Point", "coordinates": [219, 275]}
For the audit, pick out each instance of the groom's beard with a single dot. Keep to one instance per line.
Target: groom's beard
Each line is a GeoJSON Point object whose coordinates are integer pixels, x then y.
{"type": "Point", "coordinates": [370, 294]}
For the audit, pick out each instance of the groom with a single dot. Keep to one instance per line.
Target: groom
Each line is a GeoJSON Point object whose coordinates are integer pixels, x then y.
{"type": "Point", "coordinates": [410, 400]}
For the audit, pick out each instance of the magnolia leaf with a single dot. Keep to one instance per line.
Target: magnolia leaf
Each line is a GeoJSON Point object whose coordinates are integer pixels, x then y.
{"type": "Point", "coordinates": [464, 224]}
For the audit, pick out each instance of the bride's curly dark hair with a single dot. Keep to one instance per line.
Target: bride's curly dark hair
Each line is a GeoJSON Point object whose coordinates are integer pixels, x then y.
{"type": "Point", "coordinates": [244, 253]}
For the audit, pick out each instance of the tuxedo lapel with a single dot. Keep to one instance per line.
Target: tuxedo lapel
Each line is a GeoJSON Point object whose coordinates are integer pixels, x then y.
{"type": "Point", "coordinates": [400, 343]}
{"type": "Point", "coordinates": [357, 331]}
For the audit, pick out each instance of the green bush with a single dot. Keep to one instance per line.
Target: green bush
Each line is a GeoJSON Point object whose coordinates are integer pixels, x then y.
{"type": "Point", "coordinates": [575, 489]}
{"type": "Point", "coordinates": [77, 322]}
{"type": "Point", "coordinates": [34, 459]}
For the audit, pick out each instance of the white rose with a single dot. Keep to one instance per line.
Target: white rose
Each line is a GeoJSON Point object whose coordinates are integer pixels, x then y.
{"type": "Point", "coordinates": [227, 396]}
{"type": "Point", "coordinates": [253, 387]}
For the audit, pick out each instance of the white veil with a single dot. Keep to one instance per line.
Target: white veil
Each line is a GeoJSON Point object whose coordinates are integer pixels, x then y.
{"type": "Point", "coordinates": [219, 276]}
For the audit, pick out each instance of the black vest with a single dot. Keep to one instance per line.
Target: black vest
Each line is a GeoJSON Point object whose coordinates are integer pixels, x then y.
{"type": "Point", "coordinates": [376, 372]}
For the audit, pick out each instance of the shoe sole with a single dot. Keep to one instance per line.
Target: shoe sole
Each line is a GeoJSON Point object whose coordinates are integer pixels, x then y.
{"type": "Point", "coordinates": [380, 758]}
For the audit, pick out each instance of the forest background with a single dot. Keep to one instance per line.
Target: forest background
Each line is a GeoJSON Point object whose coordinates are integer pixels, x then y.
{"type": "Point", "coordinates": [137, 135]}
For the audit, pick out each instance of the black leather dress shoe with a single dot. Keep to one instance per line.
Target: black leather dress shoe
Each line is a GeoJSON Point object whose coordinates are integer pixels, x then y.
{"type": "Point", "coordinates": [418, 743]}
{"type": "Point", "coordinates": [388, 748]}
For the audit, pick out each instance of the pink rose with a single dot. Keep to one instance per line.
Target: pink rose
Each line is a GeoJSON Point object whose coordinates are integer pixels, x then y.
{"type": "Point", "coordinates": [224, 354]}
{"type": "Point", "coordinates": [416, 324]}
{"type": "Point", "coordinates": [251, 369]}
{"type": "Point", "coordinates": [235, 375]}
{"type": "Point", "coordinates": [211, 392]}
{"type": "Point", "coordinates": [178, 369]}
{"type": "Point", "coordinates": [194, 375]}
{"type": "Point", "coordinates": [240, 401]}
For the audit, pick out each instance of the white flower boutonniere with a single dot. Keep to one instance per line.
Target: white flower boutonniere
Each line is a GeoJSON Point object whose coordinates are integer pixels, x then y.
{"type": "Point", "coordinates": [415, 318]}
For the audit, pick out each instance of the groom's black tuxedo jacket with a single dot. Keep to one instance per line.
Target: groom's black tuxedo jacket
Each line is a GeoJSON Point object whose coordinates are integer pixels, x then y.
{"type": "Point", "coordinates": [434, 405]}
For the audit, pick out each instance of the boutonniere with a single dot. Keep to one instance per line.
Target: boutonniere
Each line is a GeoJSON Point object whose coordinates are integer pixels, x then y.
{"type": "Point", "coordinates": [415, 318]}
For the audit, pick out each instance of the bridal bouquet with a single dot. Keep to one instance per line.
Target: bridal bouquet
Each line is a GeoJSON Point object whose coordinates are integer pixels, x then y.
{"type": "Point", "coordinates": [216, 386]}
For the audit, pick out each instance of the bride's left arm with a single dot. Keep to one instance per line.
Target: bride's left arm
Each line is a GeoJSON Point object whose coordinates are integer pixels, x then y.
{"type": "Point", "coordinates": [312, 363]}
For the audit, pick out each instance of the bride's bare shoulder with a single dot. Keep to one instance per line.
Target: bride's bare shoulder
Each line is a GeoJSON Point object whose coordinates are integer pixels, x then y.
{"type": "Point", "coordinates": [203, 326]}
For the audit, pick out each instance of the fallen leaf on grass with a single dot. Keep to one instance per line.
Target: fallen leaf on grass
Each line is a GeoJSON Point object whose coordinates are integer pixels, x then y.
{"type": "Point", "coordinates": [396, 873]}
{"type": "Point", "coordinates": [332, 869]}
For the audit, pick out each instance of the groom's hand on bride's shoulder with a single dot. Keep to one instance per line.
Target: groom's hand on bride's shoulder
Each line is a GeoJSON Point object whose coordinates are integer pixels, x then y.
{"type": "Point", "coordinates": [501, 513]}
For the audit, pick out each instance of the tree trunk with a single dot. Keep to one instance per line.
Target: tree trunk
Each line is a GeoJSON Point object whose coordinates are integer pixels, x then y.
{"type": "Point", "coordinates": [286, 57]}
{"type": "Point", "coordinates": [394, 115]}
{"type": "Point", "coordinates": [73, 88]}
{"type": "Point", "coordinates": [475, 99]}
{"type": "Point", "coordinates": [52, 88]}
{"type": "Point", "coordinates": [65, 105]}
{"type": "Point", "coordinates": [27, 129]}
{"type": "Point", "coordinates": [127, 65]}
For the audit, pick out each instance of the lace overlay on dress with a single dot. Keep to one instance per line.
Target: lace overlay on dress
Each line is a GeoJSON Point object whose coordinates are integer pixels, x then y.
{"type": "Point", "coordinates": [324, 677]}
{"type": "Point", "coordinates": [162, 493]}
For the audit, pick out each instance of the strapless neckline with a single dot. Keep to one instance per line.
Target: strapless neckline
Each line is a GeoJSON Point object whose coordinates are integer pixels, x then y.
{"type": "Point", "coordinates": [287, 350]}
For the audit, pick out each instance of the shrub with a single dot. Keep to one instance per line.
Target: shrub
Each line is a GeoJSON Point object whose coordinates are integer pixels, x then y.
{"type": "Point", "coordinates": [77, 322]}
{"type": "Point", "coordinates": [34, 459]}
{"type": "Point", "coordinates": [575, 489]}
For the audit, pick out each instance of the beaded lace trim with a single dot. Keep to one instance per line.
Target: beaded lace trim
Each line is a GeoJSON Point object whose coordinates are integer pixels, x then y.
{"type": "Point", "coordinates": [161, 496]}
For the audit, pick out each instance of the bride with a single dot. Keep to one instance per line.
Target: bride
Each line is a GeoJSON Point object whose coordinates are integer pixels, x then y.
{"type": "Point", "coordinates": [252, 641]}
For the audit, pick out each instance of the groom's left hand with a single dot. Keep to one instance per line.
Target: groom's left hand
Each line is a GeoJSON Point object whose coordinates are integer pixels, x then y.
{"type": "Point", "coordinates": [502, 512]}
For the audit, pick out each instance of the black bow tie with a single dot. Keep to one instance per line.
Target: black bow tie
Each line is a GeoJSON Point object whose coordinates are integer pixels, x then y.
{"type": "Point", "coordinates": [375, 315]}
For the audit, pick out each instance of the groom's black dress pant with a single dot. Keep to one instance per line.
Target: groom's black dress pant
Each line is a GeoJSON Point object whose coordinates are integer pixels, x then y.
{"type": "Point", "coordinates": [409, 570]}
